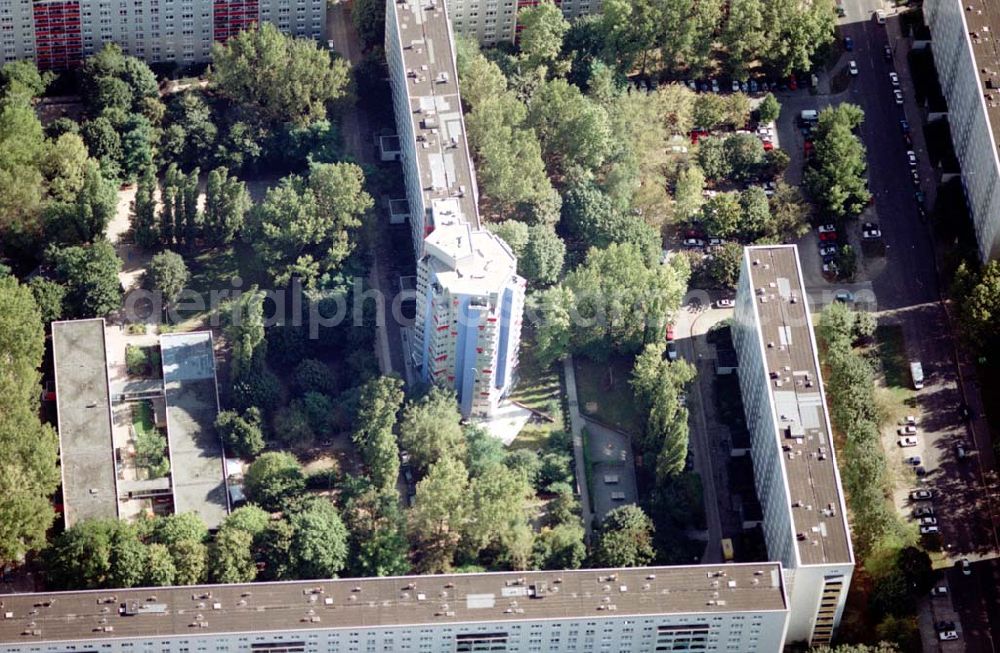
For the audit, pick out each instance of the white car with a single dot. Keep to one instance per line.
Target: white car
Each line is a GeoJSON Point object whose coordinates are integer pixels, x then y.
{"type": "Point", "coordinates": [827, 228]}
{"type": "Point", "coordinates": [923, 511]}
{"type": "Point", "coordinates": [672, 350]}
{"type": "Point", "coordinates": [894, 79]}
{"type": "Point", "coordinates": [907, 441]}
{"type": "Point", "coordinates": [921, 495]}
{"type": "Point", "coordinates": [853, 67]}
{"type": "Point", "coordinates": [909, 429]}
{"type": "Point", "coordinates": [948, 635]}
{"type": "Point", "coordinates": [911, 158]}
{"type": "Point", "coordinates": [736, 86]}
{"type": "Point", "coordinates": [928, 521]}
{"type": "Point", "coordinates": [966, 567]}
{"type": "Point", "coordinates": [928, 530]}
{"type": "Point", "coordinates": [715, 86]}
{"type": "Point", "coordinates": [898, 94]}
{"type": "Point", "coordinates": [724, 303]}
{"type": "Point", "coordinates": [880, 17]}
{"type": "Point", "coordinates": [828, 250]}
{"type": "Point", "coordinates": [870, 231]}
{"type": "Point", "coordinates": [694, 242]}
{"type": "Point", "coordinates": [909, 419]}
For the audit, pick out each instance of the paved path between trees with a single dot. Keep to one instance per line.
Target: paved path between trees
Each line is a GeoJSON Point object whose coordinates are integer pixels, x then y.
{"type": "Point", "coordinates": [577, 425]}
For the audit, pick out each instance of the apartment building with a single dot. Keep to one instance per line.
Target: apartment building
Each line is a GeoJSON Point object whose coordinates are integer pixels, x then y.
{"type": "Point", "coordinates": [470, 299]}
{"type": "Point", "coordinates": [59, 34]}
{"type": "Point", "coordinates": [492, 21]}
{"type": "Point", "coordinates": [737, 608]}
{"type": "Point", "coordinates": [968, 68]}
{"type": "Point", "coordinates": [795, 469]}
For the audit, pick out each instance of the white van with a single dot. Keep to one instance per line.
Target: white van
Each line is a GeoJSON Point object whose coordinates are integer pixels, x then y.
{"type": "Point", "coordinates": [809, 116]}
{"type": "Point", "coordinates": [611, 479]}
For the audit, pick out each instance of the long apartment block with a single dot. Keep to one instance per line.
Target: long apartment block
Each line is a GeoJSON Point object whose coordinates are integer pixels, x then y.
{"type": "Point", "coordinates": [740, 608]}
{"type": "Point", "coordinates": [798, 484]}
{"type": "Point", "coordinates": [470, 299]}
{"type": "Point", "coordinates": [968, 65]}
{"type": "Point", "coordinates": [59, 34]}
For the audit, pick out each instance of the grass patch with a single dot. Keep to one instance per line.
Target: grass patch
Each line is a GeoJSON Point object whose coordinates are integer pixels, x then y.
{"type": "Point", "coordinates": [150, 443]}
{"type": "Point", "coordinates": [604, 387]}
{"type": "Point", "coordinates": [891, 348]}
{"type": "Point", "coordinates": [532, 436]}
{"type": "Point", "coordinates": [213, 270]}
{"type": "Point", "coordinates": [540, 389]}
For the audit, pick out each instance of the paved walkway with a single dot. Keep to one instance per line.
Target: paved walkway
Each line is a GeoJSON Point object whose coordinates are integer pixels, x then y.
{"type": "Point", "coordinates": [577, 425]}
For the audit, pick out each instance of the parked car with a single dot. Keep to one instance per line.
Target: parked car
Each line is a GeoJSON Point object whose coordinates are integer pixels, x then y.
{"type": "Point", "coordinates": [966, 566]}
{"type": "Point", "coordinates": [915, 177]}
{"type": "Point", "coordinates": [909, 429]}
{"type": "Point", "coordinates": [725, 302]}
{"type": "Point", "coordinates": [898, 95]}
{"type": "Point", "coordinates": [754, 87]}
{"type": "Point", "coordinates": [827, 250]}
{"type": "Point", "coordinates": [887, 52]}
{"type": "Point", "coordinates": [829, 237]}
{"type": "Point", "coordinates": [948, 635]}
{"type": "Point", "coordinates": [909, 419]}
{"type": "Point", "coordinates": [694, 242]}
{"type": "Point", "coordinates": [921, 495]}
{"type": "Point", "coordinates": [929, 530]}
{"type": "Point", "coordinates": [908, 441]}
{"type": "Point", "coordinates": [848, 43]}
{"type": "Point", "coordinates": [904, 125]}
{"type": "Point", "coordinates": [940, 590]}
{"type": "Point", "coordinates": [927, 521]}
{"type": "Point", "coordinates": [672, 350]}
{"type": "Point", "coordinates": [736, 86]}
{"type": "Point", "coordinates": [911, 158]}
{"type": "Point", "coordinates": [894, 79]}
{"type": "Point", "coordinates": [844, 297]}
{"type": "Point", "coordinates": [962, 451]}
{"type": "Point", "coordinates": [880, 17]}
{"type": "Point", "coordinates": [912, 460]}
{"type": "Point", "coordinates": [923, 511]}
{"type": "Point", "coordinates": [715, 85]}
{"type": "Point", "coordinates": [870, 230]}
{"type": "Point", "coordinates": [827, 228]}
{"type": "Point", "coordinates": [852, 66]}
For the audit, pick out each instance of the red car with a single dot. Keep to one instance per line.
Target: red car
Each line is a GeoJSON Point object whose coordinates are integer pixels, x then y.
{"type": "Point", "coordinates": [792, 84]}
{"type": "Point", "coordinates": [670, 332]}
{"type": "Point", "coordinates": [828, 236]}
{"type": "Point", "coordinates": [768, 146]}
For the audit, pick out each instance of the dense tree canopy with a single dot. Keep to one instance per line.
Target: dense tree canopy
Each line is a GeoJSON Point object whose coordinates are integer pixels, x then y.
{"type": "Point", "coordinates": [625, 539]}
{"type": "Point", "coordinates": [430, 428]}
{"type": "Point", "coordinates": [378, 405]}
{"type": "Point", "coordinates": [276, 77]}
{"type": "Point", "coordinates": [273, 480]}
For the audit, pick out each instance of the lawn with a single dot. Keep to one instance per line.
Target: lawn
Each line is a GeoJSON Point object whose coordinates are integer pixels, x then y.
{"type": "Point", "coordinates": [605, 393]}
{"type": "Point", "coordinates": [213, 270]}
{"type": "Point", "coordinates": [142, 419]}
{"type": "Point", "coordinates": [890, 347]}
{"type": "Point", "coordinates": [540, 389]}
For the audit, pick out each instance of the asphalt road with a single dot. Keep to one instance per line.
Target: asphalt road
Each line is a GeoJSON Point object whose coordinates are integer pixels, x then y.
{"type": "Point", "coordinates": [907, 292]}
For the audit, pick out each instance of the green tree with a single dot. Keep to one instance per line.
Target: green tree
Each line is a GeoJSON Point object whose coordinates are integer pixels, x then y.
{"type": "Point", "coordinates": [658, 384]}
{"type": "Point", "coordinates": [241, 434]}
{"type": "Point", "coordinates": [104, 143]}
{"type": "Point", "coordinates": [722, 214]}
{"type": "Point", "coordinates": [482, 450]}
{"type": "Point", "coordinates": [226, 205]}
{"type": "Point", "coordinates": [179, 527]}
{"type": "Point", "coordinates": [439, 515]}
{"type": "Point", "coordinates": [542, 259]}
{"type": "Point", "coordinates": [248, 518]}
{"type": "Point", "coordinates": [769, 108]}
{"type": "Point", "coordinates": [292, 426]}
{"type": "Point", "coordinates": [168, 274]}
{"type": "Point", "coordinates": [80, 557]}
{"type": "Point", "coordinates": [560, 547]}
{"type": "Point", "coordinates": [497, 507]}
{"type": "Point", "coordinates": [710, 111]}
{"type": "Point", "coordinates": [625, 539]}
{"type": "Point", "coordinates": [634, 297]}
{"type": "Point", "coordinates": [230, 557]}
{"type": "Point", "coordinates": [23, 77]}
{"type": "Point", "coordinates": [377, 541]}
{"type": "Point", "coordinates": [160, 570]}
{"type": "Point", "coordinates": [480, 78]}
{"type": "Point", "coordinates": [836, 174]}
{"type": "Point", "coordinates": [145, 225]}
{"type": "Point", "coordinates": [319, 540]}
{"type": "Point", "coordinates": [278, 78]}
{"type": "Point", "coordinates": [380, 401]}
{"type": "Point", "coordinates": [27, 446]}
{"type": "Point", "coordinates": [542, 34]}
{"type": "Point", "coordinates": [50, 298]}
{"type": "Point", "coordinates": [978, 297]}
{"type": "Point", "coordinates": [724, 266]}
{"type": "Point", "coordinates": [572, 128]}
{"type": "Point", "coordinates": [22, 147]}
{"type": "Point", "coordinates": [431, 430]}
{"type": "Point", "coordinates": [312, 375]}
{"type": "Point", "coordinates": [246, 332]}
{"type": "Point", "coordinates": [191, 133]}
{"type": "Point", "coordinates": [64, 165]}
{"type": "Point", "coordinates": [630, 29]}
{"type": "Point", "coordinates": [745, 153]}
{"type": "Point", "coordinates": [304, 227]}
{"type": "Point", "coordinates": [755, 220]}
{"type": "Point", "coordinates": [881, 647]}
{"type": "Point", "coordinates": [368, 17]}
{"type": "Point", "coordinates": [713, 158]}
{"type": "Point", "coordinates": [90, 275]}
{"type": "Point", "coordinates": [86, 218]}
{"type": "Point", "coordinates": [789, 213]}
{"type": "Point", "coordinates": [551, 311]}
{"type": "Point", "coordinates": [274, 480]}
{"type": "Point", "coordinates": [688, 192]}
{"type": "Point", "coordinates": [190, 560]}
{"type": "Point", "coordinates": [594, 218]}
{"type": "Point", "coordinates": [127, 559]}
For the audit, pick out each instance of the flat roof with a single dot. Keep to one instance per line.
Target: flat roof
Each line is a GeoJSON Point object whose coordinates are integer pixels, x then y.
{"type": "Point", "coordinates": [442, 151]}
{"type": "Point", "coordinates": [83, 401]}
{"type": "Point", "coordinates": [196, 458]}
{"type": "Point", "coordinates": [467, 260]}
{"type": "Point", "coordinates": [796, 389]}
{"type": "Point", "coordinates": [392, 601]}
{"type": "Point", "coordinates": [983, 22]}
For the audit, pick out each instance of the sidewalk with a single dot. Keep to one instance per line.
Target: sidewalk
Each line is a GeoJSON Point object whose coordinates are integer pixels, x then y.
{"type": "Point", "coordinates": [577, 425]}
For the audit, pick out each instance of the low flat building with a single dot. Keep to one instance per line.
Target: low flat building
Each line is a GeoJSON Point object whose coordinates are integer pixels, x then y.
{"type": "Point", "coordinates": [733, 607]}
{"type": "Point", "coordinates": [795, 468]}
{"type": "Point", "coordinates": [83, 405]}
{"type": "Point", "coordinates": [192, 398]}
